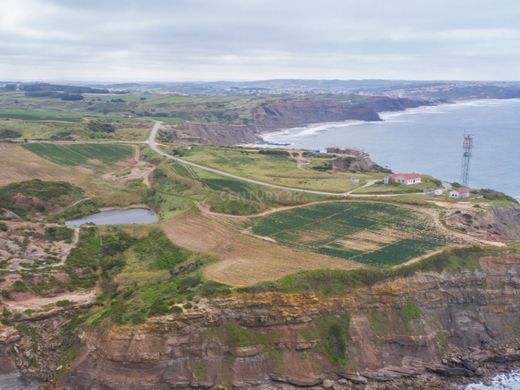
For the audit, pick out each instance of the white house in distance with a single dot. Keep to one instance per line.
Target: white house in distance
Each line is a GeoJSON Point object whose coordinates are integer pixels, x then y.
{"type": "Point", "coordinates": [459, 193]}
{"type": "Point", "coordinates": [407, 179]}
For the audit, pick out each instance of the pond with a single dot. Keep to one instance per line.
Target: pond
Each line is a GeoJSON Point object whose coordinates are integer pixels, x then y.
{"type": "Point", "coordinates": [115, 217]}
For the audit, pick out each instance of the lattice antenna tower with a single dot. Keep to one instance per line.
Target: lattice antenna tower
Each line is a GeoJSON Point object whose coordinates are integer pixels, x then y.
{"type": "Point", "coordinates": [467, 148]}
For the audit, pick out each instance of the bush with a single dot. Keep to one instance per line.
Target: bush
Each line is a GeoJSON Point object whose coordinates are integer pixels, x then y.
{"type": "Point", "coordinates": [19, 286]}
{"type": "Point", "coordinates": [333, 332]}
{"type": "Point", "coordinates": [64, 303]}
{"type": "Point", "coordinates": [6, 133]}
{"type": "Point", "coordinates": [496, 195]}
{"type": "Point", "coordinates": [58, 233]}
{"type": "Point", "coordinates": [410, 311]}
{"type": "Point", "coordinates": [101, 127]}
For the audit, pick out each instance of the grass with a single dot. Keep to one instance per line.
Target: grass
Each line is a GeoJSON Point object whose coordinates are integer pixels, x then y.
{"type": "Point", "coordinates": [332, 282]}
{"type": "Point", "coordinates": [177, 188]}
{"type": "Point", "coordinates": [410, 311]}
{"type": "Point", "coordinates": [396, 188]}
{"type": "Point", "coordinates": [81, 154]}
{"type": "Point", "coordinates": [333, 334]}
{"type": "Point", "coordinates": [377, 323]}
{"type": "Point", "coordinates": [367, 232]}
{"type": "Point", "coordinates": [41, 115]}
{"type": "Point", "coordinates": [277, 168]}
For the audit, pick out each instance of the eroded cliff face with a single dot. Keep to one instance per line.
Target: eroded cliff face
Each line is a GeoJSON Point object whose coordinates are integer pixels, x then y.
{"type": "Point", "coordinates": [406, 329]}
{"type": "Point", "coordinates": [299, 112]}
{"type": "Point", "coordinates": [287, 113]}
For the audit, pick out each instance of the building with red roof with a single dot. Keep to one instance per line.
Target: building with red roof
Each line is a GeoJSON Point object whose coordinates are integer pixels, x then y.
{"type": "Point", "coordinates": [407, 179]}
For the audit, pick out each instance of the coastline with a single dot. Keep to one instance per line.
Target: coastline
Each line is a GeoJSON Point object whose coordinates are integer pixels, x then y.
{"type": "Point", "coordinates": [319, 127]}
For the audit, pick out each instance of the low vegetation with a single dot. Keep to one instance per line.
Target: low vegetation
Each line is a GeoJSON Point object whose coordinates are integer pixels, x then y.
{"type": "Point", "coordinates": [177, 188]}
{"type": "Point", "coordinates": [81, 154]}
{"type": "Point", "coordinates": [331, 282]}
{"type": "Point", "coordinates": [367, 232]}
{"type": "Point", "coordinates": [277, 167]}
{"type": "Point", "coordinates": [37, 196]}
{"type": "Point", "coordinates": [138, 275]}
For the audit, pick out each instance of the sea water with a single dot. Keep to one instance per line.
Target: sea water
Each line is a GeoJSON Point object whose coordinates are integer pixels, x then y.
{"type": "Point", "coordinates": [429, 140]}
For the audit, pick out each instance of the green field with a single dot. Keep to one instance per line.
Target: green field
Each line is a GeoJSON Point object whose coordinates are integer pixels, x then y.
{"type": "Point", "coordinates": [41, 115]}
{"type": "Point", "coordinates": [278, 169]}
{"type": "Point", "coordinates": [177, 188]}
{"type": "Point", "coordinates": [367, 232]}
{"type": "Point", "coordinates": [81, 154]}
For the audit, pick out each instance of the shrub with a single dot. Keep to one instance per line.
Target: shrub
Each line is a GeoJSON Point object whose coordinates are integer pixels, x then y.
{"type": "Point", "coordinates": [64, 303]}
{"type": "Point", "coordinates": [333, 332]}
{"type": "Point", "coordinates": [410, 311]}
{"type": "Point", "coordinates": [19, 286]}
{"type": "Point", "coordinates": [101, 127]}
{"type": "Point", "coordinates": [7, 133]}
{"type": "Point", "coordinates": [58, 233]}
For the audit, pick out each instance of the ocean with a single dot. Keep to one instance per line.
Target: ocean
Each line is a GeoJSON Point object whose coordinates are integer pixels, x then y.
{"type": "Point", "coordinates": [429, 140]}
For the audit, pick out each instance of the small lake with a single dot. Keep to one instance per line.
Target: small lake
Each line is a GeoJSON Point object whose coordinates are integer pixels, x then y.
{"type": "Point", "coordinates": [117, 217]}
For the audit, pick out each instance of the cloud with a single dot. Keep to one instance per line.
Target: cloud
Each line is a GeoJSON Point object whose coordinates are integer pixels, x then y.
{"type": "Point", "coordinates": [233, 39]}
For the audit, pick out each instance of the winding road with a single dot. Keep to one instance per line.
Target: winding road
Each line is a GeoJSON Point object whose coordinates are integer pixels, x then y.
{"type": "Point", "coordinates": [155, 147]}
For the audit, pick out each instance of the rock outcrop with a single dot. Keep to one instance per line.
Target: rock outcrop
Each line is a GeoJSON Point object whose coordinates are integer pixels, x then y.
{"type": "Point", "coordinates": [413, 331]}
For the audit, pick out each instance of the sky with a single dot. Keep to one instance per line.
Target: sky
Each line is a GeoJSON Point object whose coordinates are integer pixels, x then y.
{"type": "Point", "coordinates": [186, 40]}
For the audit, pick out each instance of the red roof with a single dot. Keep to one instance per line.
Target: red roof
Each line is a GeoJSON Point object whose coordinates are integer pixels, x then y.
{"type": "Point", "coordinates": [406, 176]}
{"type": "Point", "coordinates": [462, 190]}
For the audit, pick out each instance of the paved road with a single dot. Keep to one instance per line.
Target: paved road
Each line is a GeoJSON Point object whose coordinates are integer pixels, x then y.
{"type": "Point", "coordinates": [151, 142]}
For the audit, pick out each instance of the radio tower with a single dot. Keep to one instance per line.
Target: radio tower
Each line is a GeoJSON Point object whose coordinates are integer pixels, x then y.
{"type": "Point", "coordinates": [467, 146]}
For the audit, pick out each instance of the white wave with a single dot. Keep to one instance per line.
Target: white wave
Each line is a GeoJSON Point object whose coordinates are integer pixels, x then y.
{"type": "Point", "coordinates": [509, 381]}
{"type": "Point", "coordinates": [297, 132]}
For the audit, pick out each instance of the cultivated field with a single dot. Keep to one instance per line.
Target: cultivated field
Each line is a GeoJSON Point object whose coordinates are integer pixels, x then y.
{"type": "Point", "coordinates": [41, 115]}
{"type": "Point", "coordinates": [366, 232]}
{"type": "Point", "coordinates": [81, 154]}
{"type": "Point", "coordinates": [244, 260]}
{"type": "Point", "coordinates": [20, 164]}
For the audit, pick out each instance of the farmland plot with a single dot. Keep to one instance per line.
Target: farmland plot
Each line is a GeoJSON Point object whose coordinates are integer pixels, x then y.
{"type": "Point", "coordinates": [81, 154]}
{"type": "Point", "coordinates": [367, 232]}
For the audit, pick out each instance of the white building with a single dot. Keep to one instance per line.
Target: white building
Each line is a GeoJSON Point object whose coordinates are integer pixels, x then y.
{"type": "Point", "coordinates": [407, 179]}
{"type": "Point", "coordinates": [459, 193]}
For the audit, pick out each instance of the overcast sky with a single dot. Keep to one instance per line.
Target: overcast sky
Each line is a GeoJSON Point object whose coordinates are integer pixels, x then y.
{"type": "Point", "coordinates": [132, 40]}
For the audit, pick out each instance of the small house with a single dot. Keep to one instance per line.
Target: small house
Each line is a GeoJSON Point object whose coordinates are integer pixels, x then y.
{"type": "Point", "coordinates": [459, 193]}
{"type": "Point", "coordinates": [407, 179]}
{"type": "Point", "coordinates": [437, 192]}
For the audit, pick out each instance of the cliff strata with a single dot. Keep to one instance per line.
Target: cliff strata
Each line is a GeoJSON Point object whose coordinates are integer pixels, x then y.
{"type": "Point", "coordinates": [405, 332]}
{"type": "Point", "coordinates": [286, 113]}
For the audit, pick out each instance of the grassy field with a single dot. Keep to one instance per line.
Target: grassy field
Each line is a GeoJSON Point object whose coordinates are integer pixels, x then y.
{"type": "Point", "coordinates": [41, 115]}
{"type": "Point", "coordinates": [177, 188]}
{"type": "Point", "coordinates": [278, 169]}
{"type": "Point", "coordinates": [380, 188]}
{"type": "Point", "coordinates": [80, 154]}
{"type": "Point", "coordinates": [366, 232]}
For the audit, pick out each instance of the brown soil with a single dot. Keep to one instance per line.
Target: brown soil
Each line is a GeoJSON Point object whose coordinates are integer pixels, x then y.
{"type": "Point", "coordinates": [244, 260]}
{"type": "Point", "coordinates": [19, 164]}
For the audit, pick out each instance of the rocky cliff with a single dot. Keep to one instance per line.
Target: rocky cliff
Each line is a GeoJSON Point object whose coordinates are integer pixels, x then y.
{"type": "Point", "coordinates": [401, 333]}
{"type": "Point", "coordinates": [285, 113]}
